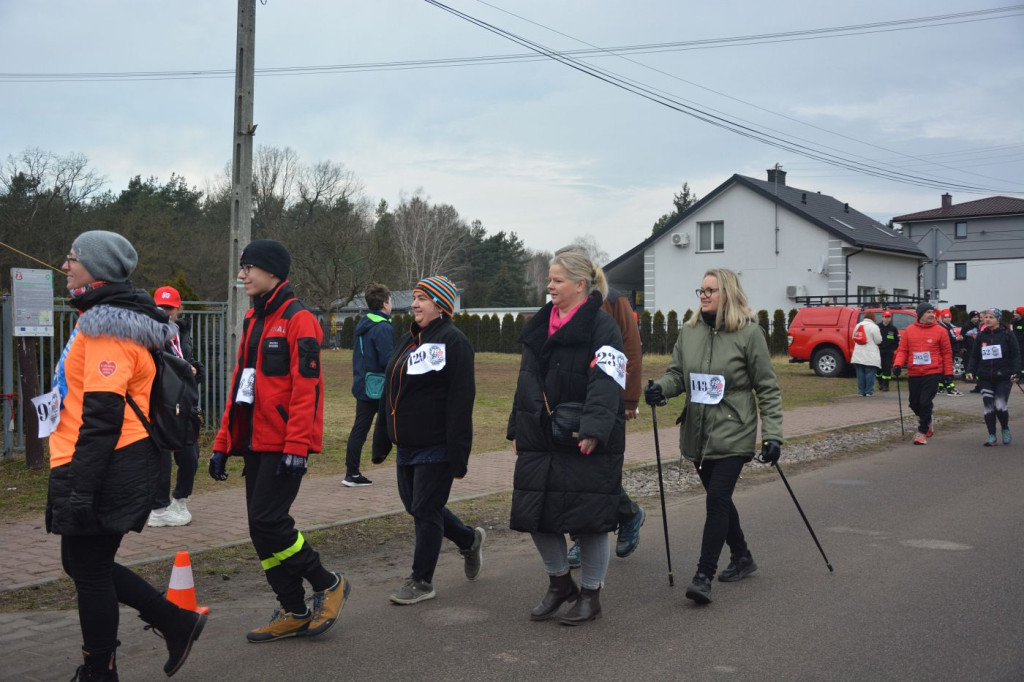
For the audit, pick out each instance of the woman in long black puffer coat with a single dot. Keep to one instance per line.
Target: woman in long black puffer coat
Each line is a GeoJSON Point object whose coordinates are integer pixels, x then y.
{"type": "Point", "coordinates": [572, 353]}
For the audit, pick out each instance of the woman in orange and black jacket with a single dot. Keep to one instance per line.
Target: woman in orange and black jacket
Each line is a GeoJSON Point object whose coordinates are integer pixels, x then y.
{"type": "Point", "coordinates": [103, 464]}
{"type": "Point", "coordinates": [426, 411]}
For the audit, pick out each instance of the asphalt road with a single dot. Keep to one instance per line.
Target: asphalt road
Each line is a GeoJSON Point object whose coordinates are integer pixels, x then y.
{"type": "Point", "coordinates": [926, 543]}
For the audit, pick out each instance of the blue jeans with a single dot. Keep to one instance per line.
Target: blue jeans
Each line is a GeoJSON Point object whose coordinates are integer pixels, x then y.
{"type": "Point", "coordinates": [866, 379]}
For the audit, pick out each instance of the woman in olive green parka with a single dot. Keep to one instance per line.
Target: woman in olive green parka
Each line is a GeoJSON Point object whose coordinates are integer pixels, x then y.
{"type": "Point", "coordinates": [721, 361]}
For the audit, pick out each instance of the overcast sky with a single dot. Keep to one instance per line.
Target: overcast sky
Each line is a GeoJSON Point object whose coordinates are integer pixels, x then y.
{"type": "Point", "coordinates": [536, 147]}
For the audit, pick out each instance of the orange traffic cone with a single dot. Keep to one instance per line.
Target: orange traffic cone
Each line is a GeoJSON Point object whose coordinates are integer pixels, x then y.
{"type": "Point", "coordinates": [182, 589]}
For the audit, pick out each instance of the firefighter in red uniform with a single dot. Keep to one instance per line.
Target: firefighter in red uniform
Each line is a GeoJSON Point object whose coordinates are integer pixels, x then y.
{"type": "Point", "coordinates": [274, 418]}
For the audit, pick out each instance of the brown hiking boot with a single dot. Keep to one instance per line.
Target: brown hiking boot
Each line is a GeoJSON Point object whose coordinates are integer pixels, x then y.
{"type": "Point", "coordinates": [281, 625]}
{"type": "Point", "coordinates": [327, 605]}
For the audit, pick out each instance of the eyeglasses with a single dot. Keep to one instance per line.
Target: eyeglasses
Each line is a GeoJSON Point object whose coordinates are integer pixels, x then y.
{"type": "Point", "coordinates": [71, 259]}
{"type": "Point", "coordinates": [246, 267]}
{"type": "Point", "coordinates": [705, 292]}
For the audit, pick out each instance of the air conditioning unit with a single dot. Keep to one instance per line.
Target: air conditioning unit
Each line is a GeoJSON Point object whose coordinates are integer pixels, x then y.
{"type": "Point", "coordinates": [794, 290]}
{"type": "Point", "coordinates": [681, 239]}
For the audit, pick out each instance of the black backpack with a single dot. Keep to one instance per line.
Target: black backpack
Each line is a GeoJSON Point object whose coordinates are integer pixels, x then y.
{"type": "Point", "coordinates": [175, 417]}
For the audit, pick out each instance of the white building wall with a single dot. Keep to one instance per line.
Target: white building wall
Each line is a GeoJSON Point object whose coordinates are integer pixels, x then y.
{"type": "Point", "coordinates": [799, 254]}
{"type": "Point", "coordinates": [989, 283]}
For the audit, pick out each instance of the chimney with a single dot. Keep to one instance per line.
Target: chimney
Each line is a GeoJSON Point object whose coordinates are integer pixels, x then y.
{"type": "Point", "coordinates": [846, 208]}
{"type": "Point", "coordinates": [947, 201]}
{"type": "Point", "coordinates": [803, 198]}
{"type": "Point", "coordinates": [777, 175]}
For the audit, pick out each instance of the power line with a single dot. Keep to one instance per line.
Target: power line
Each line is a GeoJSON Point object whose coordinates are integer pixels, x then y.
{"type": "Point", "coordinates": [718, 121]}
{"type": "Point", "coordinates": [901, 155]}
{"type": "Point", "coordinates": [647, 48]}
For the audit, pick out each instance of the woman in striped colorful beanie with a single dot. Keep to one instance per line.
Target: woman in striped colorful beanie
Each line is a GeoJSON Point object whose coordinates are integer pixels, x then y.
{"type": "Point", "coordinates": [440, 290]}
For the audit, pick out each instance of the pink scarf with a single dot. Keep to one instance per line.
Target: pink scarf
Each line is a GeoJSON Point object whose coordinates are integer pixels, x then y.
{"type": "Point", "coordinates": [556, 321]}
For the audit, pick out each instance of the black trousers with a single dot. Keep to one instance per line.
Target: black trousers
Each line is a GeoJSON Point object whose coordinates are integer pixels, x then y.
{"type": "Point", "coordinates": [188, 462]}
{"type": "Point", "coordinates": [627, 507]}
{"type": "Point", "coordinates": [722, 524]}
{"type": "Point", "coordinates": [101, 584]}
{"type": "Point", "coordinates": [922, 398]}
{"type": "Point", "coordinates": [424, 489]}
{"type": "Point", "coordinates": [995, 396]}
{"type": "Point", "coordinates": [885, 372]}
{"type": "Point", "coordinates": [365, 409]}
{"type": "Point", "coordinates": [285, 555]}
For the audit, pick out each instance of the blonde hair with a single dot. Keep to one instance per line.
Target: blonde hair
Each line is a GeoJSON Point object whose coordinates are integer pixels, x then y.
{"type": "Point", "coordinates": [734, 312]}
{"type": "Point", "coordinates": [577, 266]}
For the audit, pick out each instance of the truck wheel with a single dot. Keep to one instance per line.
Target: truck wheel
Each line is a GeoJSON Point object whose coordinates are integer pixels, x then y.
{"type": "Point", "coordinates": [828, 362]}
{"type": "Point", "coordinates": [958, 367]}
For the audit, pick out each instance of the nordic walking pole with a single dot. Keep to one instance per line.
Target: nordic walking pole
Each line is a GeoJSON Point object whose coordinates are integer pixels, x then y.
{"type": "Point", "coordinates": [661, 488]}
{"type": "Point", "coordinates": [899, 401]}
{"type": "Point", "coordinates": [804, 516]}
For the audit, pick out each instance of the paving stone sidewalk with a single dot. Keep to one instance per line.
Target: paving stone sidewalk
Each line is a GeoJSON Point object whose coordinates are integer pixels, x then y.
{"type": "Point", "coordinates": [31, 556]}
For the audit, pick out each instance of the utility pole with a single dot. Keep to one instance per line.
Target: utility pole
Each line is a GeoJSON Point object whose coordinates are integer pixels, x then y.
{"type": "Point", "coordinates": [241, 174]}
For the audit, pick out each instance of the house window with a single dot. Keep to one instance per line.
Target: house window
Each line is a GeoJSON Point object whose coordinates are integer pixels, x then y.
{"type": "Point", "coordinates": [865, 294]}
{"type": "Point", "coordinates": [960, 270]}
{"type": "Point", "coordinates": [711, 236]}
{"type": "Point", "coordinates": [960, 231]}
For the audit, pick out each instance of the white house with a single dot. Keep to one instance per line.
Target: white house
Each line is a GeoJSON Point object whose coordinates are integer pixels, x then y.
{"type": "Point", "coordinates": [786, 243]}
{"type": "Point", "coordinates": [980, 248]}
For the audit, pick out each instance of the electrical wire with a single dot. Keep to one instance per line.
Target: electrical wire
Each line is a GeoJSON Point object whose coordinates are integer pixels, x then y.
{"type": "Point", "coordinates": [648, 48]}
{"type": "Point", "coordinates": [717, 121]}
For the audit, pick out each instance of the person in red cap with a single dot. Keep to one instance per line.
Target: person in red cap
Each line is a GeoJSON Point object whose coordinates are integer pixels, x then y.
{"type": "Point", "coordinates": [944, 318]}
{"type": "Point", "coordinates": [171, 509]}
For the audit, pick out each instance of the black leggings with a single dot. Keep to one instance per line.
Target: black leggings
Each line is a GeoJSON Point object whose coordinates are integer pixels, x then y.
{"type": "Point", "coordinates": [995, 395]}
{"type": "Point", "coordinates": [101, 584]}
{"type": "Point", "coordinates": [722, 525]}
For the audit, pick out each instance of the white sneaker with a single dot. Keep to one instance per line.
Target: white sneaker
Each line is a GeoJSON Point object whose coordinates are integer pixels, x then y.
{"type": "Point", "coordinates": [167, 516]}
{"type": "Point", "coordinates": [181, 508]}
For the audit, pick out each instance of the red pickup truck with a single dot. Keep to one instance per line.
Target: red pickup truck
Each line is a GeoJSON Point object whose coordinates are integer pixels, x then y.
{"type": "Point", "coordinates": [823, 335]}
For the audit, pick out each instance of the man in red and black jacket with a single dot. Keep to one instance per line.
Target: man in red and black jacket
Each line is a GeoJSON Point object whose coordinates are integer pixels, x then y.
{"type": "Point", "coordinates": [926, 352]}
{"type": "Point", "coordinates": [274, 419]}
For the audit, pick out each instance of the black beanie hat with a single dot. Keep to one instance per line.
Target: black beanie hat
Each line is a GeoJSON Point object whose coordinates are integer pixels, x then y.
{"type": "Point", "coordinates": [268, 255]}
{"type": "Point", "coordinates": [922, 308]}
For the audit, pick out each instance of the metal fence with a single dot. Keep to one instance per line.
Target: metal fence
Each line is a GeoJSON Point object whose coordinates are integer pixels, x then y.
{"type": "Point", "coordinates": [209, 331]}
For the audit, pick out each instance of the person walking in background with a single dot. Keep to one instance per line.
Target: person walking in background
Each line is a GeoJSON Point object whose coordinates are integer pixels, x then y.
{"type": "Point", "coordinates": [721, 361]}
{"type": "Point", "coordinates": [568, 430]}
{"type": "Point", "coordinates": [631, 515]}
{"type": "Point", "coordinates": [947, 383]}
{"type": "Point", "coordinates": [1017, 326]}
{"type": "Point", "coordinates": [274, 419]}
{"type": "Point", "coordinates": [102, 460]}
{"type": "Point", "coordinates": [970, 332]}
{"type": "Point", "coordinates": [866, 357]}
{"type": "Point", "coordinates": [427, 412]}
{"type": "Point", "coordinates": [887, 349]}
{"type": "Point", "coordinates": [174, 511]}
{"type": "Point", "coordinates": [373, 344]}
{"type": "Point", "coordinates": [926, 352]}
{"type": "Point", "coordinates": [995, 362]}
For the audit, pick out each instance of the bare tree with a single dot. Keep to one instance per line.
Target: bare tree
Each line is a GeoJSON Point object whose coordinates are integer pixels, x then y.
{"type": "Point", "coordinates": [429, 239]}
{"type": "Point", "coordinates": [588, 245]}
{"type": "Point", "coordinates": [274, 173]}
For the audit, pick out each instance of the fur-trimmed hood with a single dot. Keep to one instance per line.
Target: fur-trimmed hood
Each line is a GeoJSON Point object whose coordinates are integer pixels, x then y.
{"type": "Point", "coordinates": [122, 312]}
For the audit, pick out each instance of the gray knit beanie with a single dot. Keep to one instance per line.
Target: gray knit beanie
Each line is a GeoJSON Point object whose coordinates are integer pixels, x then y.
{"type": "Point", "coordinates": [107, 256]}
{"type": "Point", "coordinates": [923, 308]}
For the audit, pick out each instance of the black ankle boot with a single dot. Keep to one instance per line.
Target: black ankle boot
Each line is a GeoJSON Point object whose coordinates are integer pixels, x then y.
{"type": "Point", "coordinates": [700, 589]}
{"type": "Point", "coordinates": [97, 668]}
{"type": "Point", "coordinates": [179, 629]}
{"type": "Point", "coordinates": [587, 608]}
{"type": "Point", "coordinates": [562, 589]}
{"type": "Point", "coordinates": [739, 568]}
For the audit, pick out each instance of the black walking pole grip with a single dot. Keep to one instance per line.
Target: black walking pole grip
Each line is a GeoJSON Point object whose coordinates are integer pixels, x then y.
{"type": "Point", "coordinates": [661, 488]}
{"type": "Point", "coordinates": [899, 401]}
{"type": "Point", "coordinates": [803, 516]}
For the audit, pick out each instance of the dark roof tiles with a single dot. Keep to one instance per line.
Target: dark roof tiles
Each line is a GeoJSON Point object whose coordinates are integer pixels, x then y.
{"type": "Point", "coordinates": [969, 209]}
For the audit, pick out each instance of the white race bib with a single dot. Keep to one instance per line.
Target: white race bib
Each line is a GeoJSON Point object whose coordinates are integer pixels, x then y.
{"type": "Point", "coordinates": [247, 387]}
{"type": "Point", "coordinates": [613, 363]}
{"type": "Point", "coordinates": [991, 352]}
{"type": "Point", "coordinates": [708, 389]}
{"type": "Point", "coordinates": [923, 357]}
{"type": "Point", "coordinates": [48, 410]}
{"type": "Point", "coordinates": [430, 357]}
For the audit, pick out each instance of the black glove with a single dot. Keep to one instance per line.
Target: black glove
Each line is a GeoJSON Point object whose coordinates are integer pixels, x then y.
{"type": "Point", "coordinates": [218, 466]}
{"type": "Point", "coordinates": [653, 395]}
{"type": "Point", "coordinates": [771, 450]}
{"type": "Point", "coordinates": [947, 380]}
{"type": "Point", "coordinates": [83, 509]}
{"type": "Point", "coordinates": [896, 369]}
{"type": "Point", "coordinates": [291, 465]}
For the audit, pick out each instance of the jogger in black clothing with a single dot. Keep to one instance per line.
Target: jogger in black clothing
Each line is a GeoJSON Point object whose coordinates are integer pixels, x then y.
{"type": "Point", "coordinates": [995, 361]}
